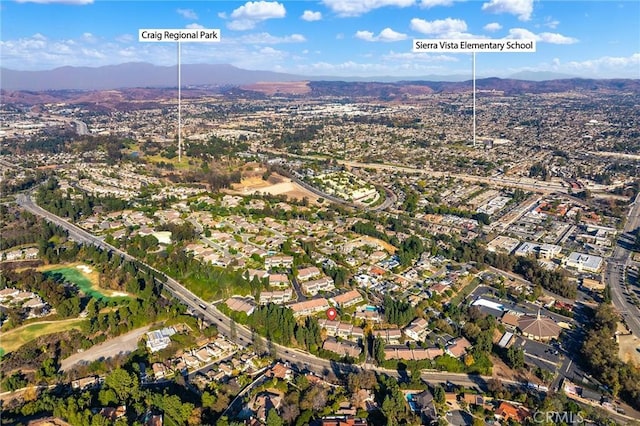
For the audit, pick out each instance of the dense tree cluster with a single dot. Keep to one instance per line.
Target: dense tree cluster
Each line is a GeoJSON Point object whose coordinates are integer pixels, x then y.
{"type": "Point", "coordinates": [397, 311]}
{"type": "Point", "coordinates": [215, 147]}
{"type": "Point", "coordinates": [20, 228]}
{"type": "Point", "coordinates": [369, 228]}
{"type": "Point", "coordinates": [121, 387]}
{"type": "Point", "coordinates": [293, 140]}
{"type": "Point", "coordinates": [339, 275]}
{"type": "Point", "coordinates": [600, 353]}
{"type": "Point", "coordinates": [555, 281]}
{"type": "Point", "coordinates": [393, 403]}
{"type": "Point", "coordinates": [539, 170]}
{"type": "Point", "coordinates": [410, 249]}
{"type": "Point", "coordinates": [51, 198]}
{"type": "Point", "coordinates": [207, 281]}
{"type": "Point", "coordinates": [10, 185]}
{"type": "Point", "coordinates": [278, 324]}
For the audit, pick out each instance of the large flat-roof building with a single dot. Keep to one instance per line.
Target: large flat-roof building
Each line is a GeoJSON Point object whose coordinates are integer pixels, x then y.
{"type": "Point", "coordinates": [584, 262]}
{"type": "Point", "coordinates": [504, 244]}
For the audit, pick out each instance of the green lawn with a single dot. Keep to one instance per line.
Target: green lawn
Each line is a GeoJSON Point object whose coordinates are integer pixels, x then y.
{"type": "Point", "coordinates": [75, 276]}
{"type": "Point", "coordinates": [15, 338]}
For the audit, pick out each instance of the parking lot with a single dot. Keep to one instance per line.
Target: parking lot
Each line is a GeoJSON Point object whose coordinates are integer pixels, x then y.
{"type": "Point", "coordinates": [540, 354]}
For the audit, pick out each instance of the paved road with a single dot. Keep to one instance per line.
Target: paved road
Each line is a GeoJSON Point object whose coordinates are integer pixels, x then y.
{"type": "Point", "coordinates": [616, 270]}
{"type": "Point", "coordinates": [118, 345]}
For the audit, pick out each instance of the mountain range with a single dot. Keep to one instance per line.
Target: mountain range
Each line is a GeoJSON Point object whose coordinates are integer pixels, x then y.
{"type": "Point", "coordinates": [140, 74]}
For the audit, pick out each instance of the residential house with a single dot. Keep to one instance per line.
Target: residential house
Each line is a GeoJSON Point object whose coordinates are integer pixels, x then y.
{"type": "Point", "coordinates": [308, 273]}
{"type": "Point", "coordinates": [283, 261]}
{"type": "Point", "coordinates": [309, 307]}
{"type": "Point", "coordinates": [347, 299]}
{"type": "Point", "coordinates": [507, 411]}
{"type": "Point", "coordinates": [278, 297]}
{"type": "Point", "coordinates": [342, 348]}
{"type": "Point", "coordinates": [417, 329]}
{"type": "Point", "coordinates": [85, 382]}
{"type": "Point", "coordinates": [113, 413]}
{"type": "Point", "coordinates": [159, 370]}
{"type": "Point", "coordinates": [458, 347]}
{"type": "Point", "coordinates": [343, 421]}
{"type": "Point", "coordinates": [314, 286]}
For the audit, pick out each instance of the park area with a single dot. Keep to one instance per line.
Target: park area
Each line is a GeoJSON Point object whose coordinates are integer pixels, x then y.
{"type": "Point", "coordinates": [17, 337]}
{"type": "Point", "coordinates": [85, 278]}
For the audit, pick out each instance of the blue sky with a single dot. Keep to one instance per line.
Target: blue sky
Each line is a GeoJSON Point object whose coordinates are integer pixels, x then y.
{"type": "Point", "coordinates": [329, 37]}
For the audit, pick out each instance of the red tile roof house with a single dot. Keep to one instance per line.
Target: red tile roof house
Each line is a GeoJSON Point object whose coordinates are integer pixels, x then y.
{"type": "Point", "coordinates": [458, 347]}
{"type": "Point", "coordinates": [507, 411]}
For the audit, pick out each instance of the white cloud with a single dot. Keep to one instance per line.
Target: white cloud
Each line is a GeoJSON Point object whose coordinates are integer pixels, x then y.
{"type": "Point", "coordinates": [248, 15]}
{"type": "Point", "coordinates": [427, 57]}
{"type": "Point", "coordinates": [272, 53]}
{"type": "Point", "coordinates": [389, 35]}
{"type": "Point", "coordinates": [88, 37]}
{"type": "Point", "coordinates": [401, 66]}
{"type": "Point", "coordinates": [520, 8]}
{"type": "Point", "coordinates": [359, 7]}
{"type": "Point", "coordinates": [188, 14]}
{"type": "Point", "coordinates": [386, 35]}
{"type": "Point", "coordinates": [74, 2]}
{"type": "Point", "coordinates": [552, 38]}
{"type": "Point", "coordinates": [603, 67]}
{"type": "Point", "coordinates": [438, 27]}
{"type": "Point", "coordinates": [266, 38]}
{"type": "Point", "coordinates": [551, 23]}
{"type": "Point", "coordinates": [125, 38]}
{"type": "Point", "coordinates": [195, 26]}
{"type": "Point", "coordinates": [493, 26]}
{"type": "Point", "coordinates": [311, 16]}
{"type": "Point", "coordinates": [432, 3]}
{"type": "Point", "coordinates": [555, 38]}
{"type": "Point", "coordinates": [364, 35]}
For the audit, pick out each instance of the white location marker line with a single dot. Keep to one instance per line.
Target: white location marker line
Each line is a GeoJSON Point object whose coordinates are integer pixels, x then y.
{"type": "Point", "coordinates": [473, 47]}
{"type": "Point", "coordinates": [196, 35]}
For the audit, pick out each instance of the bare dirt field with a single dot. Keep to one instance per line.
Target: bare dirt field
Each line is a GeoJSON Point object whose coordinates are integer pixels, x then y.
{"type": "Point", "coordinates": [276, 185]}
{"type": "Point", "coordinates": [502, 371]}
{"type": "Point", "coordinates": [629, 345]}
{"type": "Point", "coordinates": [271, 88]}
{"type": "Point", "coordinates": [112, 347]}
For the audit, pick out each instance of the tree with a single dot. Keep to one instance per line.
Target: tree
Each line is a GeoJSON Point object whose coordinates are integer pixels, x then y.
{"type": "Point", "coordinates": [468, 360]}
{"type": "Point", "coordinates": [378, 350]}
{"type": "Point", "coordinates": [515, 357]}
{"type": "Point", "coordinates": [124, 385]}
{"type": "Point", "coordinates": [273, 419]}
{"type": "Point", "coordinates": [107, 397]}
{"type": "Point", "coordinates": [438, 395]}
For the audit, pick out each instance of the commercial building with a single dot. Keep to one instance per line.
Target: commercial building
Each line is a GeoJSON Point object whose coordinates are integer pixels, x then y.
{"type": "Point", "coordinates": [584, 262]}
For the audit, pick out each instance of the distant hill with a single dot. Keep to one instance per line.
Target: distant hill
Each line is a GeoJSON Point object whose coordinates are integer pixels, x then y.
{"type": "Point", "coordinates": [540, 76]}
{"type": "Point", "coordinates": [135, 74]}
{"type": "Point", "coordinates": [145, 75]}
{"type": "Point", "coordinates": [506, 86]}
{"type": "Point", "coordinates": [116, 86]}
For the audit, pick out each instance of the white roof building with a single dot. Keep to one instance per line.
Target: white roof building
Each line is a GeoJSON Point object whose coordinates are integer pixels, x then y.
{"type": "Point", "coordinates": [584, 262]}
